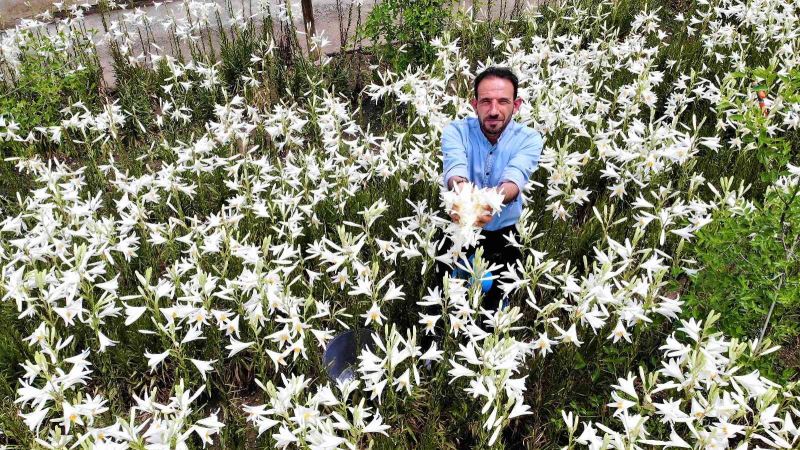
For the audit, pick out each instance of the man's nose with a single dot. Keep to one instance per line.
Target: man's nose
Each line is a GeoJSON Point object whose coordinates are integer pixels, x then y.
{"type": "Point", "coordinates": [493, 109]}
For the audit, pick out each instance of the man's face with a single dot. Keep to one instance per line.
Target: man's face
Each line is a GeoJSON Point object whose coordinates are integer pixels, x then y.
{"type": "Point", "coordinates": [495, 106]}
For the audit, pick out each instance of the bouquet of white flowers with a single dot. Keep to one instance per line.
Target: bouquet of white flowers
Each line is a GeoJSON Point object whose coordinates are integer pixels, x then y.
{"type": "Point", "coordinates": [469, 202]}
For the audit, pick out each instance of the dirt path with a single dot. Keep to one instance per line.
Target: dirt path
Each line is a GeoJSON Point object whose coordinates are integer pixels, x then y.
{"type": "Point", "coordinates": [325, 16]}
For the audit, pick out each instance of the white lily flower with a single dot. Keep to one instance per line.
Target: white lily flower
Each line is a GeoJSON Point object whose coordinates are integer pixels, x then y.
{"type": "Point", "coordinates": [154, 359]}
{"type": "Point", "coordinates": [203, 366]}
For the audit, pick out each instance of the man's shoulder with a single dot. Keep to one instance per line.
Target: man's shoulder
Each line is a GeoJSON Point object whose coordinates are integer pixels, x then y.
{"type": "Point", "coordinates": [459, 130]}
{"type": "Point", "coordinates": [463, 124]}
{"type": "Point", "coordinates": [527, 131]}
{"type": "Point", "coordinates": [528, 136]}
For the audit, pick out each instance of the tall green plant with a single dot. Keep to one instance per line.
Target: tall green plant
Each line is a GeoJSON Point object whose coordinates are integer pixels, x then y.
{"type": "Point", "coordinates": [751, 266]}
{"type": "Point", "coordinates": [401, 30]}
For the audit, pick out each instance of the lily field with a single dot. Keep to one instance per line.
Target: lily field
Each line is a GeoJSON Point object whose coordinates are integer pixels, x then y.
{"type": "Point", "coordinates": [179, 247]}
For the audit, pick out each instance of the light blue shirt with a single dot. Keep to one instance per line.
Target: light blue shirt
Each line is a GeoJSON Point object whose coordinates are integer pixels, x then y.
{"type": "Point", "coordinates": [467, 153]}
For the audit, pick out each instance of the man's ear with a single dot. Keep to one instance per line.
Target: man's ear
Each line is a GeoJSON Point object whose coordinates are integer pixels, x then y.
{"type": "Point", "coordinates": [474, 103]}
{"type": "Point", "coordinates": [517, 104]}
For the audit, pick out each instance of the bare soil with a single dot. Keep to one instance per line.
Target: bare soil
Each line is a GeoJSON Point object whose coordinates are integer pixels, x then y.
{"type": "Point", "coordinates": [13, 10]}
{"type": "Point", "coordinates": [325, 13]}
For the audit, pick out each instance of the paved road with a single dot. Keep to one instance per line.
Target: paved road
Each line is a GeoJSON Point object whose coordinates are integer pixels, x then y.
{"type": "Point", "coordinates": [325, 16]}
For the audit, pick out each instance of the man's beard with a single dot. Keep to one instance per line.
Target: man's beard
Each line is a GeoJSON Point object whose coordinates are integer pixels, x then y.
{"type": "Point", "coordinates": [495, 134]}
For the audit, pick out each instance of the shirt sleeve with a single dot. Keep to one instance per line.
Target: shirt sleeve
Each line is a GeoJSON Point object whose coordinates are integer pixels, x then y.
{"type": "Point", "coordinates": [521, 165]}
{"type": "Point", "coordinates": [454, 154]}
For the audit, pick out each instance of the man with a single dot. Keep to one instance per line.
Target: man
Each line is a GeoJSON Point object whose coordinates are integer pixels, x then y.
{"type": "Point", "coordinates": [492, 150]}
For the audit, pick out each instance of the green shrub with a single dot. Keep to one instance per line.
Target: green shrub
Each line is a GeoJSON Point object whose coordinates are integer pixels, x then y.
{"type": "Point", "coordinates": [401, 30]}
{"type": "Point", "coordinates": [751, 266]}
{"type": "Point", "coordinates": [750, 263]}
{"type": "Point", "coordinates": [45, 85]}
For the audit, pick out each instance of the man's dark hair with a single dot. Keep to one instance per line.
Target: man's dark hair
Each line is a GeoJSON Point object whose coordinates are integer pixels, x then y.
{"type": "Point", "coordinates": [497, 72]}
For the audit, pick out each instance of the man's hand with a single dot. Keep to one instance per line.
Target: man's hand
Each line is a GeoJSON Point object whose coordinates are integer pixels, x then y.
{"type": "Point", "coordinates": [454, 215]}
{"type": "Point", "coordinates": [484, 218]}
{"type": "Point", "coordinates": [510, 191]}
{"type": "Point", "coordinates": [454, 183]}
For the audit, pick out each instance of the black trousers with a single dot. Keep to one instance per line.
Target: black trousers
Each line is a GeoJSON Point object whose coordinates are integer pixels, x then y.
{"type": "Point", "coordinates": [496, 250]}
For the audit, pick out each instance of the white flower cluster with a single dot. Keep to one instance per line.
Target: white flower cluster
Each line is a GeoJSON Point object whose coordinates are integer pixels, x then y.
{"type": "Point", "coordinates": [317, 221]}
{"type": "Point", "coordinates": [321, 420]}
{"type": "Point", "coordinates": [470, 202]}
{"type": "Point", "coordinates": [379, 367]}
{"type": "Point", "coordinates": [700, 397]}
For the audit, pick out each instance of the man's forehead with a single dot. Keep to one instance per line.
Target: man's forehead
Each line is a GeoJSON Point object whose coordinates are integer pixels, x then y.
{"type": "Point", "coordinates": [495, 87]}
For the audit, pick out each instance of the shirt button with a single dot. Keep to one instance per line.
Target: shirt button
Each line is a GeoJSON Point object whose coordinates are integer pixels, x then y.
{"type": "Point", "coordinates": [487, 173]}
